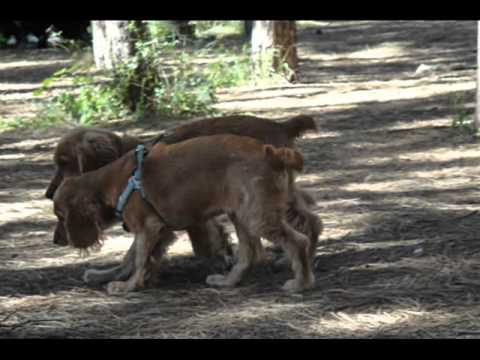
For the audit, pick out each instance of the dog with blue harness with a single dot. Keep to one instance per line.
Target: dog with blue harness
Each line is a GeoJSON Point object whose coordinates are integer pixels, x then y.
{"type": "Point", "coordinates": [134, 184]}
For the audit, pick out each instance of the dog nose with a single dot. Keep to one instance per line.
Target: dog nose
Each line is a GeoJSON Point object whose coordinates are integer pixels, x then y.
{"type": "Point", "coordinates": [49, 194]}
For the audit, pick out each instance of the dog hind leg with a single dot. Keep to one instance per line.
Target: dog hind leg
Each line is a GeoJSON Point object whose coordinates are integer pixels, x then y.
{"type": "Point", "coordinates": [250, 251]}
{"type": "Point", "coordinates": [296, 246]}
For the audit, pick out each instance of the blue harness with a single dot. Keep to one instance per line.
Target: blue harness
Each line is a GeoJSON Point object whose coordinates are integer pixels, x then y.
{"type": "Point", "coordinates": [134, 183]}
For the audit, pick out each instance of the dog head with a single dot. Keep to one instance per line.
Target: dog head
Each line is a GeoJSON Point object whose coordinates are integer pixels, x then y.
{"type": "Point", "coordinates": [83, 150]}
{"type": "Point", "coordinates": [79, 213]}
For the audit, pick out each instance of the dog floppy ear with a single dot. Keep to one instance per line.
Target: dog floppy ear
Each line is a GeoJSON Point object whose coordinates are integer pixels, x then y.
{"type": "Point", "coordinates": [54, 184]}
{"type": "Point", "coordinates": [282, 157]}
{"type": "Point", "coordinates": [97, 150]}
{"type": "Point", "coordinates": [82, 229]}
{"type": "Point", "coordinates": [60, 236]}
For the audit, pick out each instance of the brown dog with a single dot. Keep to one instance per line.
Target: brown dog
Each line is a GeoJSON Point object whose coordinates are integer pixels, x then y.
{"type": "Point", "coordinates": [83, 150]}
{"type": "Point", "coordinates": [87, 149]}
{"type": "Point", "coordinates": [186, 183]}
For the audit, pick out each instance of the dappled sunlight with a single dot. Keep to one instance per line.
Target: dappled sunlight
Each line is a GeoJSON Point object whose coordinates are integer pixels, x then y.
{"type": "Point", "coordinates": [11, 211]}
{"type": "Point", "coordinates": [405, 185]}
{"type": "Point", "coordinates": [88, 299]}
{"type": "Point", "coordinates": [17, 156]}
{"type": "Point", "coordinates": [23, 144]}
{"type": "Point", "coordinates": [381, 51]}
{"type": "Point", "coordinates": [395, 185]}
{"type": "Point", "coordinates": [334, 98]}
{"type": "Point", "coordinates": [4, 65]}
{"type": "Point", "coordinates": [363, 324]}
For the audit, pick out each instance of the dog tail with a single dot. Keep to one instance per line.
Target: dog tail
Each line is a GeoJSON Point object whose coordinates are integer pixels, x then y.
{"type": "Point", "coordinates": [298, 125]}
{"type": "Point", "coordinates": [283, 158]}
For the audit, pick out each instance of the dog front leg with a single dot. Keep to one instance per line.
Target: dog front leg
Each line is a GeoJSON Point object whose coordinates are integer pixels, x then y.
{"type": "Point", "coordinates": [296, 245]}
{"type": "Point", "coordinates": [145, 242]}
{"type": "Point", "coordinates": [250, 250]}
{"type": "Point", "coordinates": [136, 280]}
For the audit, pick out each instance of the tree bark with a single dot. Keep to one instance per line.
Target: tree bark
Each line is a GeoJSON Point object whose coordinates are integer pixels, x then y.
{"type": "Point", "coordinates": [142, 84]}
{"type": "Point", "coordinates": [112, 43]}
{"type": "Point", "coordinates": [279, 36]}
{"type": "Point", "coordinates": [247, 28]}
{"type": "Point", "coordinates": [477, 113]}
{"type": "Point", "coordinates": [183, 29]}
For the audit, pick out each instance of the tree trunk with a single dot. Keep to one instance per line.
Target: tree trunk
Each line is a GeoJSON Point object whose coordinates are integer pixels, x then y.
{"type": "Point", "coordinates": [477, 115]}
{"type": "Point", "coordinates": [279, 37]}
{"type": "Point", "coordinates": [184, 29]}
{"type": "Point", "coordinates": [142, 84]}
{"type": "Point", "coordinates": [247, 28]}
{"type": "Point", "coordinates": [112, 43]}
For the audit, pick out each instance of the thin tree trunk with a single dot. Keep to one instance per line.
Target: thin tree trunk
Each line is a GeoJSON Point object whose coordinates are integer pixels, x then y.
{"type": "Point", "coordinates": [141, 86]}
{"type": "Point", "coordinates": [112, 43]}
{"type": "Point", "coordinates": [184, 29]}
{"type": "Point", "coordinates": [247, 28]}
{"type": "Point", "coordinates": [277, 36]}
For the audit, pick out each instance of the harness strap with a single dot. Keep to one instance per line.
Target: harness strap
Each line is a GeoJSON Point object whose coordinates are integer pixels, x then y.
{"type": "Point", "coordinates": [134, 182]}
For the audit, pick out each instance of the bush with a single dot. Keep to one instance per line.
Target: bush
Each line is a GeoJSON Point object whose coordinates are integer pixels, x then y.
{"type": "Point", "coordinates": [147, 83]}
{"type": "Point", "coordinates": [464, 119]}
{"type": "Point", "coordinates": [89, 104]}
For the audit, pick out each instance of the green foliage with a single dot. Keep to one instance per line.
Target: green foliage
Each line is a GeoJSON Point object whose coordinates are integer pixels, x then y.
{"type": "Point", "coordinates": [180, 89]}
{"type": "Point", "coordinates": [56, 39]}
{"type": "Point", "coordinates": [90, 104]}
{"type": "Point", "coordinates": [11, 124]}
{"type": "Point", "coordinates": [162, 77]}
{"type": "Point", "coordinates": [42, 120]}
{"type": "Point", "coordinates": [218, 28]}
{"type": "Point", "coordinates": [185, 91]}
{"type": "Point", "coordinates": [3, 40]}
{"type": "Point", "coordinates": [230, 69]}
{"type": "Point", "coordinates": [264, 71]}
{"type": "Point", "coordinates": [463, 120]}
{"type": "Point", "coordinates": [161, 35]}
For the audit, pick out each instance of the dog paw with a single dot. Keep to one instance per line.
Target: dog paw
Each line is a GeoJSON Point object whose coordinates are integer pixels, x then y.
{"type": "Point", "coordinates": [85, 277]}
{"type": "Point", "coordinates": [294, 285]}
{"type": "Point", "coordinates": [117, 288]}
{"type": "Point", "coordinates": [91, 277]}
{"type": "Point", "coordinates": [217, 280]}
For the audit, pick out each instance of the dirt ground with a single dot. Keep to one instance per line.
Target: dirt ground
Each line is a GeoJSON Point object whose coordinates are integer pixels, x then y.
{"type": "Point", "coordinates": [395, 184]}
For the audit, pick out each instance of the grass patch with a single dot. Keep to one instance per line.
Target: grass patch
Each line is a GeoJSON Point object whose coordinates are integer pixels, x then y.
{"type": "Point", "coordinates": [165, 77]}
{"type": "Point", "coordinates": [464, 120]}
{"type": "Point", "coordinates": [218, 29]}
